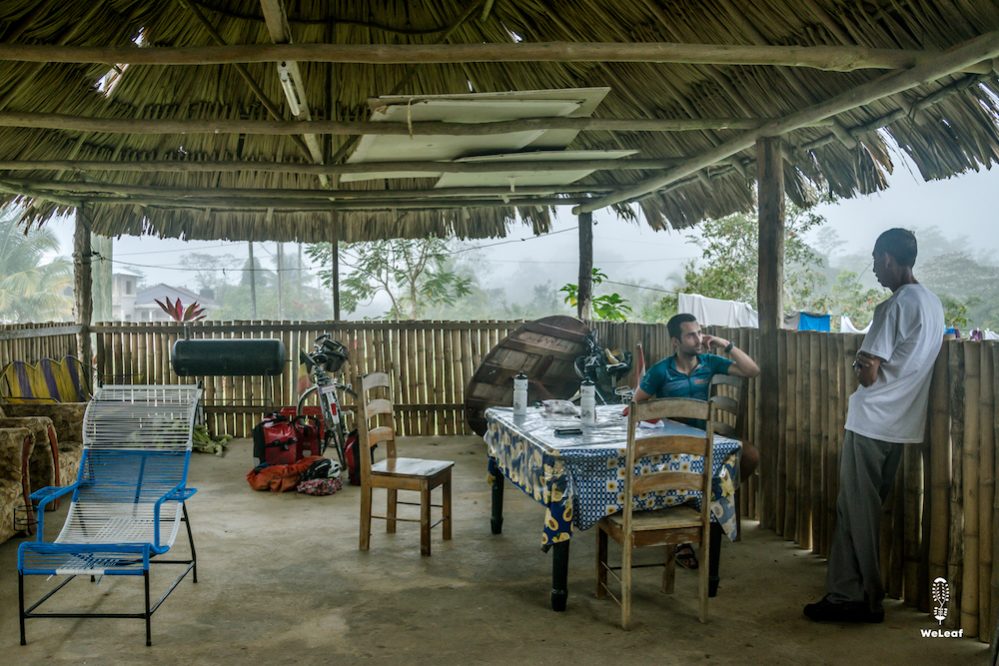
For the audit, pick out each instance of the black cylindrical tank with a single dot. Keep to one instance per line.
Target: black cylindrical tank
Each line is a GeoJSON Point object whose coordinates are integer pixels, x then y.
{"type": "Point", "coordinates": [228, 357]}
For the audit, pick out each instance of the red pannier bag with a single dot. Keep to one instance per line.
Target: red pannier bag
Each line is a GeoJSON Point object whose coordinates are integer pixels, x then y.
{"type": "Point", "coordinates": [308, 427]}
{"type": "Point", "coordinates": [279, 478]}
{"type": "Point", "coordinates": [276, 441]}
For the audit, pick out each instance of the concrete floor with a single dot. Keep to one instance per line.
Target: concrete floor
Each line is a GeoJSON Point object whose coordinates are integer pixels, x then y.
{"type": "Point", "coordinates": [281, 581]}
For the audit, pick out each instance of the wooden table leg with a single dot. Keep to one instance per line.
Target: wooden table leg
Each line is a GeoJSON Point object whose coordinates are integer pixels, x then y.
{"type": "Point", "coordinates": [496, 519]}
{"type": "Point", "coordinates": [560, 575]}
{"type": "Point", "coordinates": [715, 555]}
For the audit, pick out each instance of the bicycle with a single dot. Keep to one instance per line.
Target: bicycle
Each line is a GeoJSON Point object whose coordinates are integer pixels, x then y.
{"type": "Point", "coordinates": [604, 369]}
{"type": "Point", "coordinates": [323, 364]}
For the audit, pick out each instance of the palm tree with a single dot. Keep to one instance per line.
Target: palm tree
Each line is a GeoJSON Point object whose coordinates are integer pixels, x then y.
{"type": "Point", "coordinates": [29, 289]}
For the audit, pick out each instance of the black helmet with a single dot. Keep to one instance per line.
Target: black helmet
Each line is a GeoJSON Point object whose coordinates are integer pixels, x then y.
{"type": "Point", "coordinates": [335, 355]}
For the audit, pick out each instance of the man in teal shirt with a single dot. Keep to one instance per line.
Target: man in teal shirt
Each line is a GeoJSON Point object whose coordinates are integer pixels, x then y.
{"type": "Point", "coordinates": [687, 374]}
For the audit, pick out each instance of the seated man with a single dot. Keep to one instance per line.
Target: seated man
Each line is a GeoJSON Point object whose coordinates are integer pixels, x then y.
{"type": "Point", "coordinates": [687, 374]}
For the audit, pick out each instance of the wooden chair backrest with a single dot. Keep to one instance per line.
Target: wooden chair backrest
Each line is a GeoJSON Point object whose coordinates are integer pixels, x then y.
{"type": "Point", "coordinates": [375, 423]}
{"type": "Point", "coordinates": [728, 395]}
{"type": "Point", "coordinates": [638, 481]}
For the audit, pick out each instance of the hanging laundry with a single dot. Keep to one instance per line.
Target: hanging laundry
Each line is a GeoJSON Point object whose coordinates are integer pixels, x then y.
{"type": "Point", "coordinates": [846, 326]}
{"type": "Point", "coordinates": [718, 312]}
{"type": "Point", "coordinates": [808, 321]}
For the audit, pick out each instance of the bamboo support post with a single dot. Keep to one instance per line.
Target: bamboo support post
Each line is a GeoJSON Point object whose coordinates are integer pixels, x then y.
{"type": "Point", "coordinates": [791, 418]}
{"type": "Point", "coordinates": [969, 581]}
{"type": "Point", "coordinates": [986, 486]}
{"type": "Point", "coordinates": [815, 375]}
{"type": "Point", "coordinates": [955, 555]}
{"type": "Point", "coordinates": [779, 479]}
{"type": "Point", "coordinates": [912, 475]}
{"type": "Point", "coordinates": [940, 466]}
{"type": "Point", "coordinates": [801, 496]}
{"type": "Point", "coordinates": [994, 617]}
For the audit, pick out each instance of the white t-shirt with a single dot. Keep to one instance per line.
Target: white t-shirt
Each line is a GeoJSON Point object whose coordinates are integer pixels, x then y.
{"type": "Point", "coordinates": [906, 333]}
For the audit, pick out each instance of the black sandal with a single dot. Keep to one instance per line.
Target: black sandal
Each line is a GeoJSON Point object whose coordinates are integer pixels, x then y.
{"type": "Point", "coordinates": [685, 556]}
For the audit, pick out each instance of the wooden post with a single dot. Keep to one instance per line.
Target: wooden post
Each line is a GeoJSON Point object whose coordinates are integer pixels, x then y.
{"type": "Point", "coordinates": [335, 273]}
{"type": "Point", "coordinates": [102, 275]}
{"type": "Point", "coordinates": [770, 184]}
{"type": "Point", "coordinates": [955, 554]}
{"type": "Point", "coordinates": [253, 282]}
{"type": "Point", "coordinates": [995, 502]}
{"type": "Point", "coordinates": [280, 281]}
{"type": "Point", "coordinates": [969, 580]}
{"type": "Point", "coordinates": [83, 284]}
{"type": "Point", "coordinates": [940, 467]}
{"type": "Point", "coordinates": [986, 493]}
{"type": "Point", "coordinates": [584, 297]}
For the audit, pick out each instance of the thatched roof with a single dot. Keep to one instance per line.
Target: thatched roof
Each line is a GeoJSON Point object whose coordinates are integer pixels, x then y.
{"type": "Point", "coordinates": [262, 185]}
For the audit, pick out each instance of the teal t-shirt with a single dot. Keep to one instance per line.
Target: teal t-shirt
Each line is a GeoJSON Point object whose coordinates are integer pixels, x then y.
{"type": "Point", "coordinates": [663, 380]}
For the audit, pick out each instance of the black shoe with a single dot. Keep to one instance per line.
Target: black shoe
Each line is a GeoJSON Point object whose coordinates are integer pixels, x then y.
{"type": "Point", "coordinates": [850, 611]}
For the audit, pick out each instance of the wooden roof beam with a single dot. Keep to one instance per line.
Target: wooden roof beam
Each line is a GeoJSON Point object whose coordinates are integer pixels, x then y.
{"type": "Point", "coordinates": [186, 193]}
{"type": "Point", "coordinates": [58, 121]}
{"type": "Point", "coordinates": [830, 58]}
{"type": "Point", "coordinates": [241, 203]}
{"type": "Point", "coordinates": [430, 168]}
{"type": "Point", "coordinates": [979, 49]}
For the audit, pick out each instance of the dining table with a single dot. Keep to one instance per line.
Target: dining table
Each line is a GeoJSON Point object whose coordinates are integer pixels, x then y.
{"type": "Point", "coordinates": [580, 477]}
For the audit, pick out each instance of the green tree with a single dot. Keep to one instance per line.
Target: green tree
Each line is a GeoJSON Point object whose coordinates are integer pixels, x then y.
{"type": "Point", "coordinates": [729, 260]}
{"type": "Point", "coordinates": [30, 288]}
{"type": "Point", "coordinates": [606, 307]}
{"type": "Point", "coordinates": [414, 274]}
{"type": "Point", "coordinates": [849, 296]}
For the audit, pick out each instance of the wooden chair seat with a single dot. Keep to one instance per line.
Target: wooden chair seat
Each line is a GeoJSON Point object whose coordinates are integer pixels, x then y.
{"type": "Point", "coordinates": [672, 518]}
{"type": "Point", "coordinates": [410, 467]}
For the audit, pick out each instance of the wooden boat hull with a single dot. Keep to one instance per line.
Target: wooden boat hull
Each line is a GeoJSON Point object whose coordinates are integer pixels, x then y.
{"type": "Point", "coordinates": [544, 350]}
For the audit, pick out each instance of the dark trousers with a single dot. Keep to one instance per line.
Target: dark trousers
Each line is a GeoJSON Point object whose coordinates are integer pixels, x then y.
{"type": "Point", "coordinates": [866, 476]}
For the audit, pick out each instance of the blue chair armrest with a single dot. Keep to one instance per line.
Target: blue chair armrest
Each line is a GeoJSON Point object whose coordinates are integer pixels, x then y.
{"type": "Point", "coordinates": [51, 490]}
{"type": "Point", "coordinates": [180, 494]}
{"type": "Point", "coordinates": [176, 494]}
{"type": "Point", "coordinates": [46, 495]}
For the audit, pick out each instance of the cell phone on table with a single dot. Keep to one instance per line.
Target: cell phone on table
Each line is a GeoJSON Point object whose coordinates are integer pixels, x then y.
{"type": "Point", "coordinates": [565, 431]}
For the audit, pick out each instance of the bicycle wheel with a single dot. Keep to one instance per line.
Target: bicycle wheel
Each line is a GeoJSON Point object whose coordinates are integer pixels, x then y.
{"type": "Point", "coordinates": [310, 395]}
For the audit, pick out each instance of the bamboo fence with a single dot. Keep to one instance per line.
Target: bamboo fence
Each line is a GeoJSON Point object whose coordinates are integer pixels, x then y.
{"type": "Point", "coordinates": [942, 519]}
{"type": "Point", "coordinates": [31, 342]}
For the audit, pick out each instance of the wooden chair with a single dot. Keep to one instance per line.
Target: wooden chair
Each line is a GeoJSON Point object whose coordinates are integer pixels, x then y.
{"type": "Point", "coordinates": [394, 473]}
{"type": "Point", "coordinates": [728, 402]}
{"type": "Point", "coordinates": [728, 395]}
{"type": "Point", "coordinates": [670, 526]}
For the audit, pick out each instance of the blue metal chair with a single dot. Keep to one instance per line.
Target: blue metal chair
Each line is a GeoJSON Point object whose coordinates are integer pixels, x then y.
{"type": "Point", "coordinates": [128, 501]}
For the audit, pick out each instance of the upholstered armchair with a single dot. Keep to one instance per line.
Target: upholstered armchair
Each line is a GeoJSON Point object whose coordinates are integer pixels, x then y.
{"type": "Point", "coordinates": [15, 486]}
{"type": "Point", "coordinates": [57, 430]}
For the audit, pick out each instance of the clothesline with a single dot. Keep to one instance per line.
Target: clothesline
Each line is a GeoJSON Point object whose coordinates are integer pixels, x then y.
{"type": "Point", "coordinates": [720, 312]}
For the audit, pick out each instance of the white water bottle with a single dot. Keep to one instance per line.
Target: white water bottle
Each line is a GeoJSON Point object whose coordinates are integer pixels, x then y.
{"type": "Point", "coordinates": [520, 394]}
{"type": "Point", "coordinates": [588, 402]}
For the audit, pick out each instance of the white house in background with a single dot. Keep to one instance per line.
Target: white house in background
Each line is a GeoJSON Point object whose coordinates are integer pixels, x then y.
{"type": "Point", "coordinates": [124, 285]}
{"type": "Point", "coordinates": [146, 309]}
{"type": "Point", "coordinates": [129, 303]}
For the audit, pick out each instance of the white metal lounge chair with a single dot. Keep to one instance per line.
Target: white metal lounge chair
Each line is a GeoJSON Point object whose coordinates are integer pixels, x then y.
{"type": "Point", "coordinates": [129, 499]}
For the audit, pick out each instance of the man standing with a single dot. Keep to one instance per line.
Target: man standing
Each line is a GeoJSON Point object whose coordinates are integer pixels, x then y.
{"type": "Point", "coordinates": [687, 374]}
{"type": "Point", "coordinates": [887, 411]}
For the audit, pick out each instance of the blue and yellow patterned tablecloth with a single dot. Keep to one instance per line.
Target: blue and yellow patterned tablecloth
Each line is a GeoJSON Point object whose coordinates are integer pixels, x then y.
{"type": "Point", "coordinates": [580, 479]}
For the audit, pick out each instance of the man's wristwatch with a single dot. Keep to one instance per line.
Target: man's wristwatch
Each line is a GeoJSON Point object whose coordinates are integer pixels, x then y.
{"type": "Point", "coordinates": [729, 347]}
